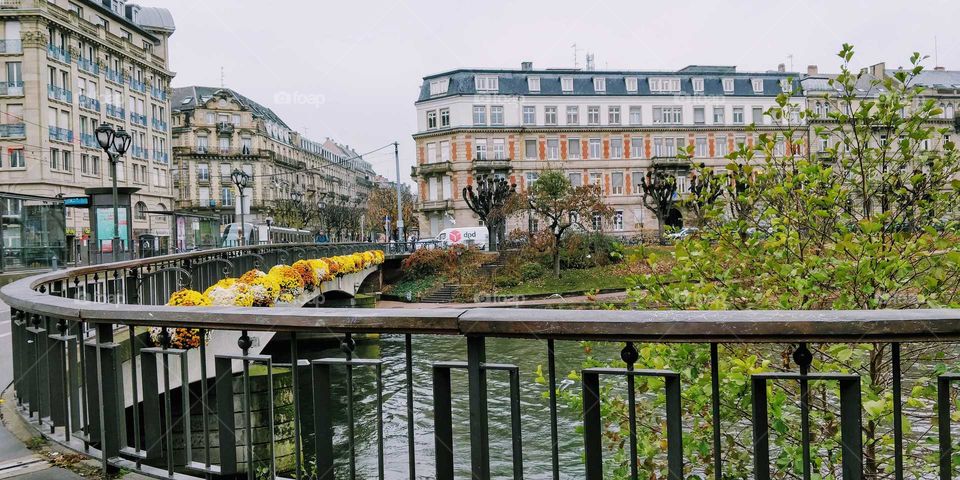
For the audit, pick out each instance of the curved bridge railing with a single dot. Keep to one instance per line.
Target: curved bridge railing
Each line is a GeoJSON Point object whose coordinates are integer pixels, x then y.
{"type": "Point", "coordinates": [79, 347]}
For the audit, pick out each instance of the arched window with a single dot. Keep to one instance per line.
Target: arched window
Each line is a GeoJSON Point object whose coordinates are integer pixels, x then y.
{"type": "Point", "coordinates": [950, 110]}
{"type": "Point", "coordinates": [818, 109]}
{"type": "Point", "coordinates": [140, 211]}
{"type": "Point", "coordinates": [943, 111]}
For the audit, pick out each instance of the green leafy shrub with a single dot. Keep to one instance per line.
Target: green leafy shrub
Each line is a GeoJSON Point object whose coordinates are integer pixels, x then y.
{"type": "Point", "coordinates": [586, 250]}
{"type": "Point", "coordinates": [426, 262]}
{"type": "Point", "coordinates": [532, 271]}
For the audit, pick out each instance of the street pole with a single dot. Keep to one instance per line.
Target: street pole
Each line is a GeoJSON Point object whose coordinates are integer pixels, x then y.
{"type": "Point", "coordinates": [396, 157]}
{"type": "Point", "coordinates": [243, 227]}
{"type": "Point", "coordinates": [116, 209]}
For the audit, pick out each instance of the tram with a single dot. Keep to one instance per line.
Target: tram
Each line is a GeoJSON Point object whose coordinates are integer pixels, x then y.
{"type": "Point", "coordinates": [261, 234]}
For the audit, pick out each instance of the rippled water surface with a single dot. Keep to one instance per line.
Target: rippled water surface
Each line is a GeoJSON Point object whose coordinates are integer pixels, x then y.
{"type": "Point", "coordinates": [427, 350]}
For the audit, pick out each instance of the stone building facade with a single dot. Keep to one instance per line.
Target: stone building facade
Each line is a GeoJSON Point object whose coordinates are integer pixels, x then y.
{"type": "Point", "coordinates": [603, 127]}
{"type": "Point", "coordinates": [217, 130]}
{"type": "Point", "coordinates": [71, 65]}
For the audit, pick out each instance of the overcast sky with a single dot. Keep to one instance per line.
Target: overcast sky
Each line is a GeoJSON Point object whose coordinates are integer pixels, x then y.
{"type": "Point", "coordinates": [352, 70]}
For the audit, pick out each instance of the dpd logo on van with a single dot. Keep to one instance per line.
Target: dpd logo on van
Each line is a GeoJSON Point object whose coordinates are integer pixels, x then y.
{"type": "Point", "coordinates": [456, 236]}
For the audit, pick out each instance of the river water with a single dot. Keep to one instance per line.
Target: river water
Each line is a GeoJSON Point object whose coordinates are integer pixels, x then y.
{"type": "Point", "coordinates": [427, 350]}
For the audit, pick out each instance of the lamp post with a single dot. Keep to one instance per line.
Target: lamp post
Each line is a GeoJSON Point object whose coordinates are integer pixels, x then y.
{"type": "Point", "coordinates": [321, 217]}
{"type": "Point", "coordinates": [114, 143]}
{"type": "Point", "coordinates": [269, 221]}
{"type": "Point", "coordinates": [240, 178]}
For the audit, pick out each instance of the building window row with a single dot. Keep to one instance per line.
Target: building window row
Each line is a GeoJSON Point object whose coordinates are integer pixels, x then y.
{"type": "Point", "coordinates": [598, 148]}
{"type": "Point", "coordinates": [493, 115]}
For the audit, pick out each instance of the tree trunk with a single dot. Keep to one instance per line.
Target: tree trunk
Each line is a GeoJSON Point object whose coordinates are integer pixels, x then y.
{"type": "Point", "coordinates": [492, 232]}
{"type": "Point", "coordinates": [556, 256]}
{"type": "Point", "coordinates": [660, 221]}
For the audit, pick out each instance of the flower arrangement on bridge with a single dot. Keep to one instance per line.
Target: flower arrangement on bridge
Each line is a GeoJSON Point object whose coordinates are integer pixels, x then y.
{"type": "Point", "coordinates": [230, 292]}
{"type": "Point", "coordinates": [251, 275]}
{"type": "Point", "coordinates": [263, 287]}
{"type": "Point", "coordinates": [290, 282]}
{"type": "Point", "coordinates": [307, 273]}
{"type": "Point", "coordinates": [321, 269]}
{"type": "Point", "coordinates": [188, 298]}
{"type": "Point", "coordinates": [368, 258]}
{"type": "Point", "coordinates": [182, 337]}
{"type": "Point", "coordinates": [283, 283]}
{"type": "Point", "coordinates": [334, 266]}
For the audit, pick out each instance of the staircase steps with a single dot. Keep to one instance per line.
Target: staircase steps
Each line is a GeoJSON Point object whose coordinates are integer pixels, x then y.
{"type": "Point", "coordinates": [445, 294]}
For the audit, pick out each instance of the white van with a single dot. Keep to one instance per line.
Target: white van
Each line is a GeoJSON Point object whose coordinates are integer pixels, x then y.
{"type": "Point", "coordinates": [474, 236]}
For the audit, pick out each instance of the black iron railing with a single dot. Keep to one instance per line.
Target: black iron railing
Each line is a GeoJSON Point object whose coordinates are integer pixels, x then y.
{"type": "Point", "coordinates": [85, 376]}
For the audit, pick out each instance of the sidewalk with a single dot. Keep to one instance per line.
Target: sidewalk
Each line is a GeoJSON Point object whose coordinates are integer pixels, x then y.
{"type": "Point", "coordinates": [16, 460]}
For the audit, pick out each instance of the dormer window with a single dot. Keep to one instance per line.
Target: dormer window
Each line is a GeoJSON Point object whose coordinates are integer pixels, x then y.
{"type": "Point", "coordinates": [439, 87]}
{"type": "Point", "coordinates": [599, 84]}
{"type": "Point", "coordinates": [664, 85]}
{"type": "Point", "coordinates": [727, 85]}
{"type": "Point", "coordinates": [697, 85]}
{"type": "Point", "coordinates": [533, 84]}
{"type": "Point", "coordinates": [631, 84]}
{"type": "Point", "coordinates": [785, 85]}
{"type": "Point", "coordinates": [487, 83]}
{"type": "Point", "coordinates": [566, 84]}
{"type": "Point", "coordinates": [757, 85]}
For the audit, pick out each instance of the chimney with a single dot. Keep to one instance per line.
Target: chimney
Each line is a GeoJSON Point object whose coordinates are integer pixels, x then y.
{"type": "Point", "coordinates": [526, 66]}
{"type": "Point", "coordinates": [878, 70]}
{"type": "Point", "coordinates": [940, 69]}
{"type": "Point", "coordinates": [781, 68]}
{"type": "Point", "coordinates": [811, 69]}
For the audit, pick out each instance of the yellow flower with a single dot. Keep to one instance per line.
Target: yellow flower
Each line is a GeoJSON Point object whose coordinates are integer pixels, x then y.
{"type": "Point", "coordinates": [225, 283]}
{"type": "Point", "coordinates": [188, 298]}
{"type": "Point", "coordinates": [288, 278]}
{"type": "Point", "coordinates": [265, 290]}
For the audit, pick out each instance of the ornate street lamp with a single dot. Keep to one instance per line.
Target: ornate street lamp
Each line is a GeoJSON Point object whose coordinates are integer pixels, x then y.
{"type": "Point", "coordinates": [114, 143]}
{"type": "Point", "coordinates": [240, 179]}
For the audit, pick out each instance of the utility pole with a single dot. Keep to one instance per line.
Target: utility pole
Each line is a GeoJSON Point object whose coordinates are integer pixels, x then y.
{"type": "Point", "coordinates": [396, 157]}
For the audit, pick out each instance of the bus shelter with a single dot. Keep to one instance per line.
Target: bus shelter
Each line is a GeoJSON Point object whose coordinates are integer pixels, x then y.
{"type": "Point", "coordinates": [33, 232]}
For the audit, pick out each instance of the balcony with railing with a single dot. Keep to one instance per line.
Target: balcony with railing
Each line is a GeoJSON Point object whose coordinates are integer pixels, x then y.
{"type": "Point", "coordinates": [114, 76]}
{"type": "Point", "coordinates": [491, 164]}
{"type": "Point", "coordinates": [467, 392]}
{"type": "Point", "coordinates": [11, 89]}
{"type": "Point", "coordinates": [137, 151]}
{"type": "Point", "coordinates": [61, 134]}
{"type": "Point", "coordinates": [59, 94]}
{"type": "Point", "coordinates": [434, 205]}
{"type": "Point", "coordinates": [88, 65]}
{"type": "Point", "coordinates": [670, 162]}
{"type": "Point", "coordinates": [13, 130]}
{"type": "Point", "coordinates": [11, 46]}
{"type": "Point", "coordinates": [89, 103]}
{"type": "Point", "coordinates": [138, 86]}
{"type": "Point", "coordinates": [225, 128]}
{"type": "Point", "coordinates": [138, 119]}
{"type": "Point", "coordinates": [159, 125]}
{"type": "Point", "coordinates": [58, 53]}
{"type": "Point", "coordinates": [89, 140]}
{"type": "Point", "coordinates": [115, 111]}
{"type": "Point", "coordinates": [431, 168]}
{"type": "Point", "coordinates": [158, 94]}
